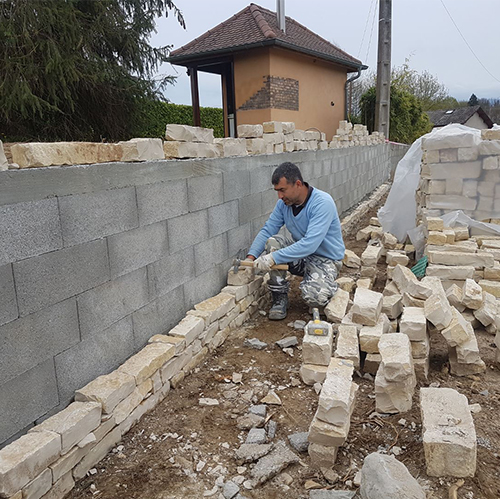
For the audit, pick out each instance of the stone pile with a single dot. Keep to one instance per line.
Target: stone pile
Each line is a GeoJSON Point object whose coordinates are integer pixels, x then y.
{"type": "Point", "coordinates": [67, 445]}
{"type": "Point", "coordinates": [395, 381]}
{"type": "Point", "coordinates": [460, 172]}
{"type": "Point", "coordinates": [349, 135]}
{"type": "Point", "coordinates": [330, 425]}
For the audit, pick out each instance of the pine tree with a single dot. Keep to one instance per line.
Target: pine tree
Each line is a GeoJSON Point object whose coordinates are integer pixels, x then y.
{"type": "Point", "coordinates": [473, 100]}
{"type": "Point", "coordinates": [77, 69]}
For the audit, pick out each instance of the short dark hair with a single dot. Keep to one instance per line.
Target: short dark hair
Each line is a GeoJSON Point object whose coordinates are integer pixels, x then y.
{"type": "Point", "coordinates": [288, 170]}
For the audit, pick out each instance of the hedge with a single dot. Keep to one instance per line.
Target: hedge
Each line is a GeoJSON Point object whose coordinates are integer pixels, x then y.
{"type": "Point", "coordinates": [156, 115]}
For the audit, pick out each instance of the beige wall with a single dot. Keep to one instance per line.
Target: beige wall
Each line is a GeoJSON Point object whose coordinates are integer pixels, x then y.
{"type": "Point", "coordinates": [320, 83]}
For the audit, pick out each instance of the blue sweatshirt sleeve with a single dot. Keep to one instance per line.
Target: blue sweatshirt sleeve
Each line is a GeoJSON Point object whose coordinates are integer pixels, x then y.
{"type": "Point", "coordinates": [321, 216]}
{"type": "Point", "coordinates": [274, 223]}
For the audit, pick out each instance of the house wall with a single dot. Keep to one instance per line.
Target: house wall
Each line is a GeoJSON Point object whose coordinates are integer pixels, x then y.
{"type": "Point", "coordinates": [96, 259]}
{"type": "Point", "coordinates": [319, 83]}
{"type": "Point", "coordinates": [475, 121]}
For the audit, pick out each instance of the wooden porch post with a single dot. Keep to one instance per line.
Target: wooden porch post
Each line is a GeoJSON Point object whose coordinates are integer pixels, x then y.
{"type": "Point", "coordinates": [195, 96]}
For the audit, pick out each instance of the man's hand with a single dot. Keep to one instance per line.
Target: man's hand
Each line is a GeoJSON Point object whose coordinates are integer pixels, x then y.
{"type": "Point", "coordinates": [264, 263]}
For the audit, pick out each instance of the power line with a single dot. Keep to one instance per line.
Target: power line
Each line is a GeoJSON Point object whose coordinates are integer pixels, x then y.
{"type": "Point", "coordinates": [371, 33]}
{"type": "Point", "coordinates": [366, 26]}
{"type": "Point", "coordinates": [467, 43]}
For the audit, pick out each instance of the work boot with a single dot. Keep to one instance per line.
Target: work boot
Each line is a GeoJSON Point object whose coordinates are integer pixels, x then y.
{"type": "Point", "coordinates": [279, 307]}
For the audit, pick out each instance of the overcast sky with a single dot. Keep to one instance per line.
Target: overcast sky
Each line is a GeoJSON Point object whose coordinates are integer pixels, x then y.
{"type": "Point", "coordinates": [421, 30]}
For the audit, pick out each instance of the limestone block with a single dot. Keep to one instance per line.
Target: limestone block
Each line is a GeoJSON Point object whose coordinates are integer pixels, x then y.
{"type": "Point", "coordinates": [376, 233]}
{"type": "Point", "coordinates": [35, 154]}
{"type": "Point", "coordinates": [369, 337]}
{"type": "Point", "coordinates": [317, 349]}
{"type": "Point", "coordinates": [492, 287]}
{"type": "Point", "coordinates": [178, 343]}
{"type": "Point", "coordinates": [337, 394]}
{"type": "Point", "coordinates": [3, 159]}
{"type": "Point", "coordinates": [437, 187]}
{"type": "Point", "coordinates": [312, 135]}
{"type": "Point", "coordinates": [37, 487]}
{"type": "Point", "coordinates": [458, 331]}
{"type": "Point", "coordinates": [375, 222]}
{"type": "Point", "coordinates": [455, 295]}
{"type": "Point", "coordinates": [392, 305]}
{"type": "Point", "coordinates": [322, 456]}
{"type": "Point", "coordinates": [448, 433]}
{"type": "Point", "coordinates": [61, 488]}
{"type": "Point", "coordinates": [273, 138]}
{"type": "Point", "coordinates": [73, 423]}
{"type": "Point", "coordinates": [346, 283]}
{"type": "Point", "coordinates": [272, 126]}
{"type": "Point", "coordinates": [255, 146]}
{"type": "Point", "coordinates": [478, 260]}
{"type": "Point", "coordinates": [351, 260]}
{"type": "Point", "coordinates": [406, 281]}
{"type": "Point", "coordinates": [454, 185]}
{"type": "Point", "coordinates": [107, 390]}
{"type": "Point", "coordinates": [216, 306]}
{"type": "Point", "coordinates": [392, 397]}
{"type": "Point", "coordinates": [437, 238]}
{"type": "Point", "coordinates": [397, 361]}
{"type": "Point", "coordinates": [185, 133]}
{"type": "Point", "coordinates": [394, 258]}
{"type": "Point", "coordinates": [420, 349]}
{"type": "Point", "coordinates": [437, 309]}
{"type": "Point", "coordinates": [327, 434]}
{"type": "Point", "coordinates": [449, 272]}
{"type": "Point", "coordinates": [370, 272]}
{"type": "Point", "coordinates": [366, 307]}
{"type": "Point", "coordinates": [413, 323]}
{"type": "Point", "coordinates": [25, 458]}
{"type": "Point", "coordinates": [448, 155]}
{"type": "Point", "coordinates": [142, 149]}
{"type": "Point", "coordinates": [229, 146]}
{"type": "Point", "coordinates": [147, 361]}
{"type": "Point", "coordinates": [126, 406]}
{"type": "Point", "coordinates": [490, 163]}
{"type": "Point", "coordinates": [189, 328]}
{"type": "Point", "coordinates": [298, 135]}
{"type": "Point", "coordinates": [175, 149]}
{"type": "Point", "coordinates": [490, 134]}
{"type": "Point", "coordinates": [462, 369]}
{"type": "Point", "coordinates": [365, 234]}
{"type": "Point", "coordinates": [435, 224]}
{"type": "Point", "coordinates": [371, 255]}
{"type": "Point", "coordinates": [365, 283]}
{"type": "Point", "coordinates": [451, 201]}
{"type": "Point", "coordinates": [469, 170]}
{"type": "Point", "coordinates": [372, 363]}
{"type": "Point", "coordinates": [467, 153]}
{"type": "Point", "coordinates": [311, 373]}
{"type": "Point", "coordinates": [278, 148]}
{"type": "Point", "coordinates": [239, 292]}
{"type": "Point", "coordinates": [336, 308]}
{"type": "Point", "coordinates": [391, 289]}
{"type": "Point", "coordinates": [389, 241]}
{"type": "Point", "coordinates": [461, 233]}
{"type": "Point", "coordinates": [468, 352]}
{"type": "Point", "coordinates": [243, 276]}
{"type": "Point", "coordinates": [347, 344]}
{"type": "Point", "coordinates": [488, 311]}
{"type": "Point", "coordinates": [409, 301]}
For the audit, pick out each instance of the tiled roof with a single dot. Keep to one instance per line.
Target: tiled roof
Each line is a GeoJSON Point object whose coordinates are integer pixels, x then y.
{"type": "Point", "coordinates": [444, 117]}
{"type": "Point", "coordinates": [255, 26]}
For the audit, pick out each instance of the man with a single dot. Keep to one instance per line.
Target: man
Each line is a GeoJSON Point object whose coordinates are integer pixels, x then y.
{"type": "Point", "coordinates": [315, 250]}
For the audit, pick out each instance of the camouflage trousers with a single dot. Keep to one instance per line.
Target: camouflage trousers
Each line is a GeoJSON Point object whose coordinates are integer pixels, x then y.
{"type": "Point", "coordinates": [319, 274]}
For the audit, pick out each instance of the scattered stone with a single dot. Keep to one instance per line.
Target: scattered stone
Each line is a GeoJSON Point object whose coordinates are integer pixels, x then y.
{"type": "Point", "coordinates": [475, 408]}
{"type": "Point", "coordinates": [230, 489]}
{"type": "Point", "coordinates": [311, 485]}
{"type": "Point", "coordinates": [317, 350]}
{"type": "Point", "coordinates": [384, 477]}
{"type": "Point", "coordinates": [237, 377]}
{"type": "Point", "coordinates": [248, 453]}
{"type": "Point", "coordinates": [348, 344]}
{"type": "Point", "coordinates": [271, 399]}
{"type": "Point", "coordinates": [299, 324]}
{"type": "Point", "coordinates": [211, 492]}
{"type": "Point", "coordinates": [271, 464]}
{"type": "Point", "coordinates": [259, 410]}
{"type": "Point", "coordinates": [366, 307]}
{"type": "Point", "coordinates": [256, 436]}
{"type": "Point", "coordinates": [207, 402]}
{"type": "Point", "coordinates": [299, 441]}
{"type": "Point", "coordinates": [351, 260]}
{"type": "Point", "coordinates": [287, 342]}
{"type": "Point", "coordinates": [317, 388]}
{"type": "Point", "coordinates": [336, 308]}
{"type": "Point", "coordinates": [312, 373]}
{"type": "Point", "coordinates": [255, 343]}
{"type": "Point", "coordinates": [271, 428]}
{"type": "Point", "coordinates": [331, 494]}
{"type": "Point", "coordinates": [322, 456]}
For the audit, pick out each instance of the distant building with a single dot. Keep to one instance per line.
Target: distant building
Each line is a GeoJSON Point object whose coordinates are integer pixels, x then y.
{"type": "Point", "coordinates": [272, 69]}
{"type": "Point", "coordinates": [472, 116]}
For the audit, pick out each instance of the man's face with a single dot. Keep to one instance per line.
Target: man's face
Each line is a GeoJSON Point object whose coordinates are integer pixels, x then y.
{"type": "Point", "coordinates": [288, 193]}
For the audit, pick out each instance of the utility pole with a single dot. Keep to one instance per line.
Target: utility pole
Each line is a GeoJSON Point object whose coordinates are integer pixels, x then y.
{"type": "Point", "coordinates": [383, 105]}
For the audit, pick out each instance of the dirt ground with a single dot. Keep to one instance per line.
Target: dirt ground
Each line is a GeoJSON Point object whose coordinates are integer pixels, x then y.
{"type": "Point", "coordinates": [162, 456]}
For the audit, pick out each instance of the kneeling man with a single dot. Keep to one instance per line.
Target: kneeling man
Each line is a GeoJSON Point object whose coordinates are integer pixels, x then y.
{"type": "Point", "coordinates": [315, 250]}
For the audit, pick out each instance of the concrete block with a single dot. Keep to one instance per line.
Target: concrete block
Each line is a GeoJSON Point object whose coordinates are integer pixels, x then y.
{"type": "Point", "coordinates": [207, 284]}
{"type": "Point", "coordinates": [448, 431]}
{"type": "Point", "coordinates": [236, 184]}
{"type": "Point", "coordinates": [210, 252]}
{"type": "Point", "coordinates": [413, 323]}
{"type": "Point", "coordinates": [85, 217]}
{"type": "Point", "coordinates": [472, 294]}
{"type": "Point", "coordinates": [24, 459]}
{"type": "Point", "coordinates": [336, 308]}
{"type": "Point", "coordinates": [250, 207]}
{"type": "Point", "coordinates": [73, 423]}
{"type": "Point", "coordinates": [102, 352]}
{"type": "Point", "coordinates": [205, 191]}
{"type": "Point", "coordinates": [317, 350]}
{"type": "Point", "coordinates": [180, 237]}
{"type": "Point", "coordinates": [250, 131]}
{"type": "Point", "coordinates": [29, 229]}
{"type": "Point", "coordinates": [141, 149]}
{"type": "Point", "coordinates": [348, 345]}
{"type": "Point", "coordinates": [162, 200]}
{"type": "Point", "coordinates": [222, 218]}
{"type": "Point", "coordinates": [137, 248]}
{"type": "Point", "coordinates": [26, 398]}
{"type": "Point", "coordinates": [171, 271]}
{"type": "Point", "coordinates": [238, 239]}
{"type": "Point", "coordinates": [312, 373]}
{"type": "Point", "coordinates": [188, 328]}
{"type": "Point", "coordinates": [104, 305]}
{"type": "Point", "coordinates": [8, 301]}
{"type": "Point", "coordinates": [490, 163]}
{"type": "Point", "coordinates": [392, 305]}
{"type": "Point", "coordinates": [185, 133]}
{"type": "Point", "coordinates": [366, 307]}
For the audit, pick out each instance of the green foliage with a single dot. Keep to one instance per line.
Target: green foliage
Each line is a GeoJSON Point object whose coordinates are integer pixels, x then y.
{"type": "Point", "coordinates": [473, 101]}
{"type": "Point", "coordinates": [77, 69]}
{"type": "Point", "coordinates": [156, 115]}
{"type": "Point", "coordinates": [408, 121]}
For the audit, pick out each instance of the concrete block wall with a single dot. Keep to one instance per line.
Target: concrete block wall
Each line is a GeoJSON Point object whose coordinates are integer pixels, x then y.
{"type": "Point", "coordinates": [96, 259]}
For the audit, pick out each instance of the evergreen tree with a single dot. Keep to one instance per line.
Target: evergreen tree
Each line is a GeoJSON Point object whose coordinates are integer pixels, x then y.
{"type": "Point", "coordinates": [77, 69]}
{"type": "Point", "coordinates": [473, 101]}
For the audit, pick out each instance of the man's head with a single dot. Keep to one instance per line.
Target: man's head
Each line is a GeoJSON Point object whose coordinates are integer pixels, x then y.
{"type": "Point", "coordinates": [289, 185]}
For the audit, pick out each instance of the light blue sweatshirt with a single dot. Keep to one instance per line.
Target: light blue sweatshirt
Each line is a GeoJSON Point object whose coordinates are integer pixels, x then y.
{"type": "Point", "coordinates": [315, 230]}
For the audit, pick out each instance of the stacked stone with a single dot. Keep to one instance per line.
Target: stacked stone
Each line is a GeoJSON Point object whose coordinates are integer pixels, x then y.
{"type": "Point", "coordinates": [448, 433]}
{"type": "Point", "coordinates": [67, 445]}
{"type": "Point", "coordinates": [184, 141]}
{"type": "Point", "coordinates": [316, 356]}
{"type": "Point", "coordinates": [274, 138]}
{"type": "Point", "coordinates": [461, 173]}
{"type": "Point", "coordinates": [395, 381]}
{"type": "Point", "coordinates": [330, 425]}
{"type": "Point", "coordinates": [348, 136]}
